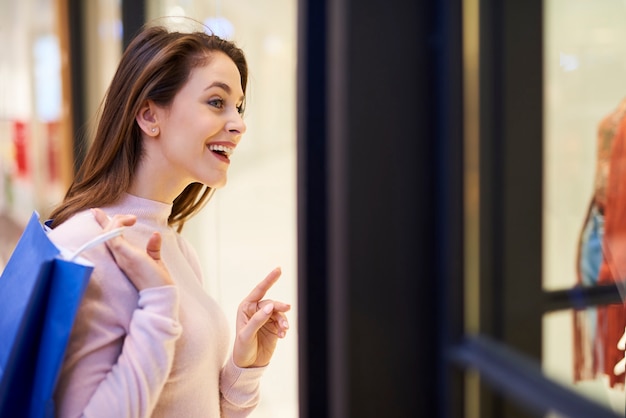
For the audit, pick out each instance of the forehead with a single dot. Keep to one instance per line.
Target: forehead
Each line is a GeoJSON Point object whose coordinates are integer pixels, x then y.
{"type": "Point", "coordinates": [217, 68]}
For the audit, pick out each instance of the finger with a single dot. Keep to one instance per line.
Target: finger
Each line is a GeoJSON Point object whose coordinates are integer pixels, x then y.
{"type": "Point", "coordinates": [117, 245]}
{"type": "Point", "coordinates": [250, 308]}
{"type": "Point", "coordinates": [281, 321]}
{"type": "Point", "coordinates": [153, 248]}
{"type": "Point", "coordinates": [259, 291]}
{"type": "Point", "coordinates": [278, 306]}
{"type": "Point", "coordinates": [256, 322]}
{"type": "Point", "coordinates": [277, 317]}
{"type": "Point", "coordinates": [101, 217]}
{"type": "Point", "coordinates": [117, 221]}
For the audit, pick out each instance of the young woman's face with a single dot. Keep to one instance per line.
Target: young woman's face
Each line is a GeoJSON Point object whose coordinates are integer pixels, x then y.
{"type": "Point", "coordinates": [203, 126]}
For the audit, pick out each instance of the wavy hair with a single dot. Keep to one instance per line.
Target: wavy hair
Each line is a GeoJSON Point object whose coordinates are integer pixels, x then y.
{"type": "Point", "coordinates": [154, 66]}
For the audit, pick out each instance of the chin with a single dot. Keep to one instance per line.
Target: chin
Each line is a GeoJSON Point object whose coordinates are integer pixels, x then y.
{"type": "Point", "coordinates": [216, 184]}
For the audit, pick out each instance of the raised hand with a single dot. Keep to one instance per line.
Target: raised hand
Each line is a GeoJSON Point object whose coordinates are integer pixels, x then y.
{"type": "Point", "coordinates": [260, 322]}
{"type": "Point", "coordinates": [144, 268]}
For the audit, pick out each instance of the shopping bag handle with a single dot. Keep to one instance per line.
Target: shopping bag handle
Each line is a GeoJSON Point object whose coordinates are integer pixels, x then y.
{"type": "Point", "coordinates": [96, 241]}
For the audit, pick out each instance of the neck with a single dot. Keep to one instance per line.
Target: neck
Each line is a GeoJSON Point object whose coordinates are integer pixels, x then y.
{"type": "Point", "coordinates": [155, 181]}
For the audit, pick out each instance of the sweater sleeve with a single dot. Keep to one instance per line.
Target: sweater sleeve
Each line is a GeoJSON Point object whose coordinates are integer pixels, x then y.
{"type": "Point", "coordinates": [132, 386]}
{"type": "Point", "coordinates": [240, 389]}
{"type": "Point", "coordinates": [116, 371]}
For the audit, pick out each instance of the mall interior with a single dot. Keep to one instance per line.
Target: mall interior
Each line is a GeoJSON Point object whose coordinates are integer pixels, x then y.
{"type": "Point", "coordinates": [434, 178]}
{"type": "Point", "coordinates": [248, 228]}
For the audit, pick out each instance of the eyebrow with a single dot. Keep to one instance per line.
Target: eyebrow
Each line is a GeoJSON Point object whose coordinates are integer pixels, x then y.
{"type": "Point", "coordinates": [223, 86]}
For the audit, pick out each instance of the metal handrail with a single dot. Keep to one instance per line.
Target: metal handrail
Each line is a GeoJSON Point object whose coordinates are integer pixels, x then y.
{"type": "Point", "coordinates": [520, 379]}
{"type": "Point", "coordinates": [580, 297]}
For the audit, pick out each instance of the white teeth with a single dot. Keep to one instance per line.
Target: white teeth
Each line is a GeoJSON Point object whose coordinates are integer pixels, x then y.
{"type": "Point", "coordinates": [221, 148]}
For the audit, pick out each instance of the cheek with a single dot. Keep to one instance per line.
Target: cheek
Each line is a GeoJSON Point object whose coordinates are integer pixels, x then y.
{"type": "Point", "coordinates": [199, 125]}
{"type": "Point", "coordinates": [210, 123]}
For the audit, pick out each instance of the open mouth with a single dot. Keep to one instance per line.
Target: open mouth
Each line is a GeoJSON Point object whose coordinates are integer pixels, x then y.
{"type": "Point", "coordinates": [221, 150]}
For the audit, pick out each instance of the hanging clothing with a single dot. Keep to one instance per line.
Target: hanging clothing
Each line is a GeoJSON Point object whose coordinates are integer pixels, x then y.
{"type": "Point", "coordinates": [612, 318]}
{"type": "Point", "coordinates": [588, 352]}
{"type": "Point", "coordinates": [595, 328]}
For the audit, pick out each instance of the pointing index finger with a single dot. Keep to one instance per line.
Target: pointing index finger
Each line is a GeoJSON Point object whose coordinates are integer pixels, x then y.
{"type": "Point", "coordinates": [259, 291]}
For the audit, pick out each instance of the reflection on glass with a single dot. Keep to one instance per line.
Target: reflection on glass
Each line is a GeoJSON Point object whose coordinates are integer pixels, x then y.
{"type": "Point", "coordinates": [584, 190]}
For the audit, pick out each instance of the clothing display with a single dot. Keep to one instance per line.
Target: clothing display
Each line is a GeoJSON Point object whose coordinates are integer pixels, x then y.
{"type": "Point", "coordinates": [612, 318]}
{"type": "Point", "coordinates": [598, 330]}
{"type": "Point", "coordinates": [160, 352]}
{"type": "Point", "coordinates": [588, 351]}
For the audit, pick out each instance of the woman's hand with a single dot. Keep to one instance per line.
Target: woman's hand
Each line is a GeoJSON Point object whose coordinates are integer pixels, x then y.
{"type": "Point", "coordinates": [143, 268]}
{"type": "Point", "coordinates": [259, 325]}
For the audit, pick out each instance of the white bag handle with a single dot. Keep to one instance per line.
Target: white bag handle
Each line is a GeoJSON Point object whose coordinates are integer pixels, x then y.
{"type": "Point", "coordinates": [96, 241]}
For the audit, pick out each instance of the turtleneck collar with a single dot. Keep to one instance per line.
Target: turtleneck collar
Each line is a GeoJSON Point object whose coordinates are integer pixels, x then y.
{"type": "Point", "coordinates": [146, 210]}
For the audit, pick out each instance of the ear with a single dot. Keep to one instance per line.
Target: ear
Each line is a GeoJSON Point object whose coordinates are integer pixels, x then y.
{"type": "Point", "coordinates": [147, 118]}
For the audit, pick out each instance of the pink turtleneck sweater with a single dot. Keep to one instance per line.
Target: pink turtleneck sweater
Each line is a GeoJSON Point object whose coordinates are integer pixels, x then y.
{"type": "Point", "coordinates": [161, 352]}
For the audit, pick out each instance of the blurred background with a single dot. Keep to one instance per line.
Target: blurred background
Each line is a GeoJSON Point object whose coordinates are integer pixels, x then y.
{"type": "Point", "coordinates": [56, 60]}
{"type": "Point", "coordinates": [584, 83]}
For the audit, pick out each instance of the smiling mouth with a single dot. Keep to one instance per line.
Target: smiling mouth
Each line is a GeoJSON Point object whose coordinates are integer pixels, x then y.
{"type": "Point", "coordinates": [221, 150]}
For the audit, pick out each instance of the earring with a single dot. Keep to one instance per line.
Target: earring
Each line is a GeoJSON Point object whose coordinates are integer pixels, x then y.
{"type": "Point", "coordinates": [153, 129]}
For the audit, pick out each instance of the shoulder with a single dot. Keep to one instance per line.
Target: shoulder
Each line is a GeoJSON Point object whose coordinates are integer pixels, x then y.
{"type": "Point", "coordinates": [110, 296]}
{"type": "Point", "coordinates": [76, 231]}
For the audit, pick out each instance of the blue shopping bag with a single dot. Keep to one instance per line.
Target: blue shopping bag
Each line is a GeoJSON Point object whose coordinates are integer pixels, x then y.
{"type": "Point", "coordinates": [41, 288]}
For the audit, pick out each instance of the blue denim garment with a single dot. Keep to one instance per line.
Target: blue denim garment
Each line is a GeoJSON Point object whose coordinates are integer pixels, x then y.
{"type": "Point", "coordinates": [590, 262]}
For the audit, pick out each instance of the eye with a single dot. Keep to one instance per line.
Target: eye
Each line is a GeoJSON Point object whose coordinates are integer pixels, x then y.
{"type": "Point", "coordinates": [217, 103]}
{"type": "Point", "coordinates": [240, 109]}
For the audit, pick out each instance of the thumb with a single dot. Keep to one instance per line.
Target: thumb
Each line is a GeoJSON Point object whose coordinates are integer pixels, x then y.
{"type": "Point", "coordinates": [257, 321]}
{"type": "Point", "coordinates": [153, 248]}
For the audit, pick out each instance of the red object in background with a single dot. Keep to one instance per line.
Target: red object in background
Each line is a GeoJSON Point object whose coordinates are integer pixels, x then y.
{"type": "Point", "coordinates": [52, 150]}
{"type": "Point", "coordinates": [20, 142]}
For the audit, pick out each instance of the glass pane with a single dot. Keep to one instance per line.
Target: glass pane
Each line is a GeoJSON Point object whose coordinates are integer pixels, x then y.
{"type": "Point", "coordinates": [585, 88]}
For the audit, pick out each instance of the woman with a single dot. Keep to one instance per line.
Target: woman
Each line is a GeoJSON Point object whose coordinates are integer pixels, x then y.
{"type": "Point", "coordinates": [148, 341]}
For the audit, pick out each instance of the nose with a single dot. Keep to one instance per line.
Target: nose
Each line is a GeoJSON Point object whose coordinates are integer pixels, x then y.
{"type": "Point", "coordinates": [236, 125]}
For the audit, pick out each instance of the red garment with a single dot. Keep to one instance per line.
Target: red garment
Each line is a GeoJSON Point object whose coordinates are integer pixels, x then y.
{"type": "Point", "coordinates": [607, 131]}
{"type": "Point", "coordinates": [612, 318]}
{"type": "Point", "coordinates": [610, 176]}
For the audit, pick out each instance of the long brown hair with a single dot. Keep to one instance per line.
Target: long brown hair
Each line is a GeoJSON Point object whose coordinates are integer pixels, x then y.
{"type": "Point", "coordinates": [155, 66]}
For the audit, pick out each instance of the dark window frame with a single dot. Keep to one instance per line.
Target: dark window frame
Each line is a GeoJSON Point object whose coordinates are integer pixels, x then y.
{"type": "Point", "coordinates": [340, 255]}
